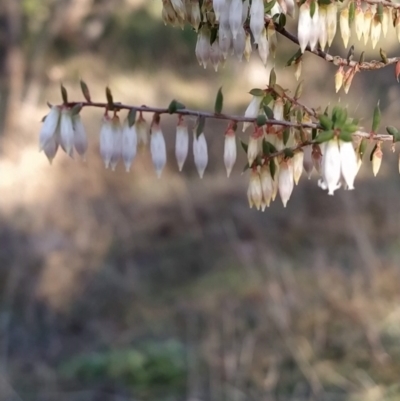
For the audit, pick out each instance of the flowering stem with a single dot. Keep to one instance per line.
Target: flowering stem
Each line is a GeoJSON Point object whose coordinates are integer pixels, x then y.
{"type": "Point", "coordinates": [218, 116]}
{"type": "Point", "coordinates": [337, 60]}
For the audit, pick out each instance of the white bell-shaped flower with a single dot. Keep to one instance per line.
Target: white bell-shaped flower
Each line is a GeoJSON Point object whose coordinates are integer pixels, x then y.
{"type": "Point", "coordinates": [359, 21]}
{"type": "Point", "coordinates": [267, 186]}
{"type": "Point", "coordinates": [106, 141]}
{"type": "Point", "coordinates": [348, 163]}
{"type": "Point", "coordinates": [285, 181]}
{"type": "Point", "coordinates": [129, 144]}
{"type": "Point", "coordinates": [331, 21]}
{"type": "Point", "coordinates": [315, 28]}
{"type": "Point", "coordinates": [263, 46]}
{"type": "Point", "coordinates": [254, 191]}
{"type": "Point", "coordinates": [67, 132]}
{"type": "Point", "coordinates": [239, 44]}
{"type": "Point", "coordinates": [252, 110]}
{"type": "Point", "coordinates": [200, 153]}
{"type": "Point", "coordinates": [49, 126]}
{"type": "Point", "coordinates": [142, 130]}
{"type": "Point", "coordinates": [304, 26]}
{"type": "Point", "coordinates": [218, 6]}
{"type": "Point", "coordinates": [322, 30]}
{"type": "Point", "coordinates": [257, 19]}
{"type": "Point", "coordinates": [331, 165]}
{"type": "Point", "coordinates": [117, 142]}
{"type": "Point", "coordinates": [298, 160]}
{"type": "Point", "coordinates": [235, 17]}
{"type": "Point", "coordinates": [181, 143]}
{"type": "Point", "coordinates": [158, 148]}
{"type": "Point", "coordinates": [80, 137]}
{"type": "Point", "coordinates": [51, 147]}
{"type": "Point", "coordinates": [230, 150]}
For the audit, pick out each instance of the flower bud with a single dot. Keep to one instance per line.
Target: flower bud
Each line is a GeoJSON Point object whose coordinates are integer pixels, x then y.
{"type": "Point", "coordinates": [344, 26]}
{"type": "Point", "coordinates": [322, 29]}
{"type": "Point", "coordinates": [142, 130]}
{"type": "Point", "coordinates": [316, 156]}
{"type": "Point", "coordinates": [235, 17]}
{"type": "Point", "coordinates": [339, 76]}
{"type": "Point", "coordinates": [229, 150]}
{"type": "Point", "coordinates": [218, 6]}
{"type": "Point", "coordinates": [290, 8]}
{"type": "Point", "coordinates": [315, 28]}
{"type": "Point", "coordinates": [80, 138]}
{"type": "Point", "coordinates": [304, 27]}
{"type": "Point", "coordinates": [376, 27]}
{"type": "Point", "coordinates": [359, 21]}
{"type": "Point", "coordinates": [298, 160]}
{"type": "Point", "coordinates": [307, 160]}
{"type": "Point", "coordinates": [331, 20]}
{"type": "Point", "coordinates": [200, 153]}
{"type": "Point", "coordinates": [257, 19]}
{"type": "Point", "coordinates": [285, 181]}
{"type": "Point", "coordinates": [267, 186]}
{"type": "Point", "coordinates": [129, 145]}
{"type": "Point", "coordinates": [117, 142]}
{"type": "Point", "coordinates": [67, 132]}
{"type": "Point", "coordinates": [252, 109]}
{"type": "Point", "coordinates": [254, 192]}
{"type": "Point", "coordinates": [195, 15]}
{"type": "Point", "coordinates": [368, 15]}
{"type": "Point", "coordinates": [247, 49]}
{"type": "Point", "coordinates": [106, 141]}
{"type": "Point", "coordinates": [377, 159]}
{"type": "Point", "coordinates": [157, 148]}
{"type": "Point", "coordinates": [386, 20]}
{"type": "Point", "coordinates": [263, 46]}
{"type": "Point", "coordinates": [348, 79]}
{"type": "Point", "coordinates": [297, 71]}
{"type": "Point", "coordinates": [253, 147]}
{"type": "Point", "coordinates": [49, 127]}
{"type": "Point", "coordinates": [331, 165]}
{"type": "Point", "coordinates": [51, 147]}
{"type": "Point", "coordinates": [239, 44]}
{"type": "Point", "coordinates": [348, 163]}
{"type": "Point", "coordinates": [181, 143]}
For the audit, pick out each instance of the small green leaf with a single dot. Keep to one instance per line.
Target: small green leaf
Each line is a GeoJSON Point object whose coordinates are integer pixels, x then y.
{"type": "Point", "coordinates": [288, 153]}
{"type": "Point", "coordinates": [257, 92]}
{"type": "Point", "coordinates": [345, 136]}
{"type": "Point", "coordinates": [219, 101]}
{"type": "Point", "coordinates": [394, 132]}
{"type": "Point", "coordinates": [351, 12]}
{"type": "Point", "coordinates": [299, 90]}
{"type": "Point", "coordinates": [199, 126]}
{"type": "Point", "coordinates": [75, 110]}
{"type": "Point", "coordinates": [279, 90]}
{"type": "Point", "coordinates": [174, 106]}
{"type": "Point", "coordinates": [286, 109]}
{"type": "Point", "coordinates": [363, 147]}
{"type": "Point", "coordinates": [85, 91]}
{"type": "Point", "coordinates": [267, 99]}
{"type": "Point", "coordinates": [268, 7]}
{"type": "Point", "coordinates": [272, 168]}
{"type": "Point", "coordinates": [286, 135]}
{"type": "Point", "coordinates": [272, 78]}
{"type": "Point", "coordinates": [379, 12]}
{"type": "Point", "coordinates": [282, 21]}
{"type": "Point", "coordinates": [261, 120]}
{"type": "Point", "coordinates": [312, 9]}
{"type": "Point", "coordinates": [362, 56]}
{"type": "Point", "coordinates": [294, 58]}
{"type": "Point", "coordinates": [324, 136]}
{"type": "Point", "coordinates": [372, 152]}
{"type": "Point", "coordinates": [110, 100]}
{"type": "Point", "coordinates": [314, 133]}
{"type": "Point", "coordinates": [326, 122]}
{"type": "Point", "coordinates": [377, 118]}
{"type": "Point", "coordinates": [268, 111]}
{"type": "Point", "coordinates": [64, 94]}
{"type": "Point", "coordinates": [131, 117]}
{"type": "Point", "coordinates": [244, 146]}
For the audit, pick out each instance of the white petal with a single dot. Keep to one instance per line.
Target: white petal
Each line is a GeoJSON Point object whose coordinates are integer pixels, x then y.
{"type": "Point", "coordinates": [49, 126]}
{"type": "Point", "coordinates": [200, 153]}
{"type": "Point", "coordinates": [129, 145]}
{"type": "Point", "coordinates": [158, 150]}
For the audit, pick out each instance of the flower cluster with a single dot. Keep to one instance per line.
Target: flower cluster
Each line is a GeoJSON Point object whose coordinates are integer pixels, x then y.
{"type": "Point", "coordinates": [285, 139]}
{"type": "Point", "coordinates": [63, 127]}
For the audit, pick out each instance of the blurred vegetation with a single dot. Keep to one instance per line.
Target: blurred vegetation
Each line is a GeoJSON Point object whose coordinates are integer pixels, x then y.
{"type": "Point", "coordinates": [123, 287]}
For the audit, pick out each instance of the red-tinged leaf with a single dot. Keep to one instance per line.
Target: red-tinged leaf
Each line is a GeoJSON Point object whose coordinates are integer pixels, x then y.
{"type": "Point", "coordinates": [397, 70]}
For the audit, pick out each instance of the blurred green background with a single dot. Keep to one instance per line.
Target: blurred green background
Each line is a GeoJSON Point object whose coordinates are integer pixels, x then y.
{"type": "Point", "coordinates": [117, 287]}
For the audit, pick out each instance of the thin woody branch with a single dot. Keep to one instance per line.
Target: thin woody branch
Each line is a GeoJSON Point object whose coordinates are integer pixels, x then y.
{"type": "Point", "coordinates": [223, 116]}
{"type": "Point", "coordinates": [337, 60]}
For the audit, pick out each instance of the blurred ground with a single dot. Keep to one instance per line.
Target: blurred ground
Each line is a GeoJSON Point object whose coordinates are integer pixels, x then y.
{"type": "Point", "coordinates": [120, 286]}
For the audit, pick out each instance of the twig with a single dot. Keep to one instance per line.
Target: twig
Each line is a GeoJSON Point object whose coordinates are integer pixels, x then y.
{"type": "Point", "coordinates": [337, 60]}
